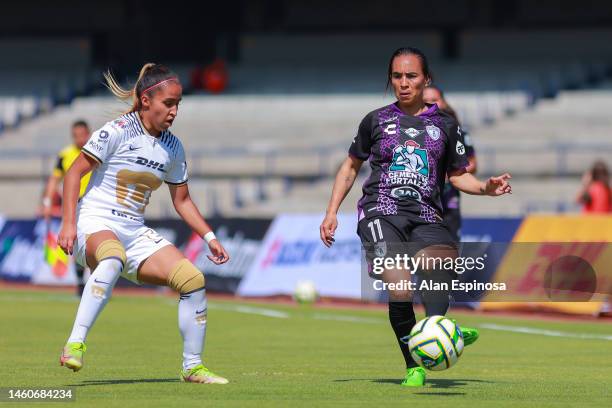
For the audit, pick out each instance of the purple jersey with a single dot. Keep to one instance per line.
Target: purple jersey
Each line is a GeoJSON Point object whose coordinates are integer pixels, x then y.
{"type": "Point", "coordinates": [409, 157]}
{"type": "Point", "coordinates": [450, 195]}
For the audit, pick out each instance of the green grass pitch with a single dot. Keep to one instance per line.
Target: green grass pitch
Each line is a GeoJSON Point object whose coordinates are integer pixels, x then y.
{"type": "Point", "coordinates": [293, 356]}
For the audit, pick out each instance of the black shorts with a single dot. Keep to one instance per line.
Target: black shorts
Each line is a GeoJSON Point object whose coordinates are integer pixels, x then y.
{"type": "Point", "coordinates": [387, 236]}
{"type": "Point", "coordinates": [452, 221]}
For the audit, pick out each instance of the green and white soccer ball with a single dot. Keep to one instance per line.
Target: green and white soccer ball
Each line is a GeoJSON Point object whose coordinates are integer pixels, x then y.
{"type": "Point", "coordinates": [436, 343]}
{"type": "Point", "coordinates": [305, 292]}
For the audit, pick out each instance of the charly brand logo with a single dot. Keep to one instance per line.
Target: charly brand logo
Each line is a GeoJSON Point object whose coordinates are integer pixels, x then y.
{"type": "Point", "coordinates": [460, 148]}
{"type": "Point", "coordinates": [390, 129]}
{"type": "Point", "coordinates": [412, 132]}
{"type": "Point", "coordinates": [433, 131]}
{"type": "Point", "coordinates": [410, 157]}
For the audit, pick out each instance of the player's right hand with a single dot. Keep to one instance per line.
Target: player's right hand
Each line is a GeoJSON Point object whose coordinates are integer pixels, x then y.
{"type": "Point", "coordinates": [328, 229]}
{"type": "Point", "coordinates": [66, 238]}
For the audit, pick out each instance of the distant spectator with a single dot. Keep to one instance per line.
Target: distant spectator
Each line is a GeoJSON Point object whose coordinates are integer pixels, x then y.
{"type": "Point", "coordinates": [52, 202]}
{"type": "Point", "coordinates": [595, 195]}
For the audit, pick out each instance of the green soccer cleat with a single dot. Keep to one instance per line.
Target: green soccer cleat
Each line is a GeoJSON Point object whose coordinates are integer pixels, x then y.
{"type": "Point", "coordinates": [202, 375]}
{"type": "Point", "coordinates": [72, 356]}
{"type": "Point", "coordinates": [469, 335]}
{"type": "Point", "coordinates": [415, 377]}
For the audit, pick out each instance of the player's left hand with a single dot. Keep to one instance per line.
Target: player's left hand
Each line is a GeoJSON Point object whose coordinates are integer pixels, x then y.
{"type": "Point", "coordinates": [496, 186]}
{"type": "Point", "coordinates": [219, 254]}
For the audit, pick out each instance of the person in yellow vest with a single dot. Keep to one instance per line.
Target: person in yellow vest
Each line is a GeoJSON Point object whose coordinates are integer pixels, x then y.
{"type": "Point", "coordinates": [80, 134]}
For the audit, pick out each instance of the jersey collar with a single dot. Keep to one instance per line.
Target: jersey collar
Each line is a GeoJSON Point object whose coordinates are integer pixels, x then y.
{"type": "Point", "coordinates": [144, 129]}
{"type": "Point", "coordinates": [431, 109]}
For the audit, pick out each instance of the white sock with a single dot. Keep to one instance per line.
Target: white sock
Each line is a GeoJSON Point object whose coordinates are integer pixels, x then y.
{"type": "Point", "coordinates": [97, 291]}
{"type": "Point", "coordinates": [192, 313]}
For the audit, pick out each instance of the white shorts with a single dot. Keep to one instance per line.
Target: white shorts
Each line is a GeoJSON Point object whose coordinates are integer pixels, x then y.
{"type": "Point", "coordinates": [139, 241]}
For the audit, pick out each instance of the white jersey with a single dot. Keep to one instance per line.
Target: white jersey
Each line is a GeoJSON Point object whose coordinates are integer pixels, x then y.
{"type": "Point", "coordinates": [132, 165]}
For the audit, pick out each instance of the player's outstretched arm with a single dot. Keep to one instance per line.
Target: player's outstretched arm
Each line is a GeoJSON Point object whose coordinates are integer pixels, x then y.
{"type": "Point", "coordinates": [467, 183]}
{"type": "Point", "coordinates": [186, 208]}
{"type": "Point", "coordinates": [72, 185]}
{"type": "Point", "coordinates": [344, 181]}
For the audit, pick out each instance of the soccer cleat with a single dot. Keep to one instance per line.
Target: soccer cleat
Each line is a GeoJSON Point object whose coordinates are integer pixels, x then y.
{"type": "Point", "coordinates": [202, 375]}
{"type": "Point", "coordinates": [415, 377]}
{"type": "Point", "coordinates": [72, 356]}
{"type": "Point", "coordinates": [469, 335]}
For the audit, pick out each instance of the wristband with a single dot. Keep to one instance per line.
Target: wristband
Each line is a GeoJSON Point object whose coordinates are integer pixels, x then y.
{"type": "Point", "coordinates": [46, 202]}
{"type": "Point", "coordinates": [209, 236]}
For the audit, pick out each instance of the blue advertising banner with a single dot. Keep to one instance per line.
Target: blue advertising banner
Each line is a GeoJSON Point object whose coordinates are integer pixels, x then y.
{"type": "Point", "coordinates": [23, 257]}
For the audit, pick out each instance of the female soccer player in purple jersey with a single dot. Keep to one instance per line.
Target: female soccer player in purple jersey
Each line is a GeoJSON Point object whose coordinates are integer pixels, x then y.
{"type": "Point", "coordinates": [130, 157]}
{"type": "Point", "coordinates": [412, 146]}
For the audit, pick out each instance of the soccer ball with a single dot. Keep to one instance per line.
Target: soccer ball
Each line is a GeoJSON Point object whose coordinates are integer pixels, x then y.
{"type": "Point", "coordinates": [305, 292]}
{"type": "Point", "coordinates": [436, 343]}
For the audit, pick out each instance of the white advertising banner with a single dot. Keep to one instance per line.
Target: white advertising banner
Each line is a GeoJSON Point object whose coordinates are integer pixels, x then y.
{"type": "Point", "coordinates": [292, 251]}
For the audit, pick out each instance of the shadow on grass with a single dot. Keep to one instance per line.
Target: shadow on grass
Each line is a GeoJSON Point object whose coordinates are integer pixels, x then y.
{"type": "Point", "coordinates": [438, 394]}
{"type": "Point", "coordinates": [132, 381]}
{"type": "Point", "coordinates": [431, 383]}
{"type": "Point", "coordinates": [451, 383]}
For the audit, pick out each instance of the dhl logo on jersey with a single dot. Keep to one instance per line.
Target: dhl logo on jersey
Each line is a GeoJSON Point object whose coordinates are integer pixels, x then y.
{"type": "Point", "coordinates": [152, 164]}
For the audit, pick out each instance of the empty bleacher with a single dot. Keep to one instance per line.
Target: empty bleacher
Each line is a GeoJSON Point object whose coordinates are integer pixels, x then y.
{"type": "Point", "coordinates": [275, 139]}
{"type": "Point", "coordinates": [38, 74]}
{"type": "Point", "coordinates": [233, 143]}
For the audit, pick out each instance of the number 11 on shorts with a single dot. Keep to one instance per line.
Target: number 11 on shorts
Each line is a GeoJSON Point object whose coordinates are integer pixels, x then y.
{"type": "Point", "coordinates": [378, 228]}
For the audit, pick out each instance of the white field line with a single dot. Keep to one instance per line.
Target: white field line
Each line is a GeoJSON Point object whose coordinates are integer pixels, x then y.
{"type": "Point", "coordinates": [347, 318]}
{"type": "Point", "coordinates": [544, 332]}
{"type": "Point", "coordinates": [73, 299]}
{"type": "Point", "coordinates": [251, 310]}
{"type": "Point", "coordinates": [60, 297]}
{"type": "Point", "coordinates": [319, 316]}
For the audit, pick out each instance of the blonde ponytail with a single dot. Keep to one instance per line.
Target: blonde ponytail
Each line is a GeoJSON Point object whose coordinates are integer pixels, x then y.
{"type": "Point", "coordinates": [126, 95]}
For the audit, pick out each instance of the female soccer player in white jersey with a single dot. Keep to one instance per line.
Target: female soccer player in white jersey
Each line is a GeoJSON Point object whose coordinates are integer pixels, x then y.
{"type": "Point", "coordinates": [130, 157]}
